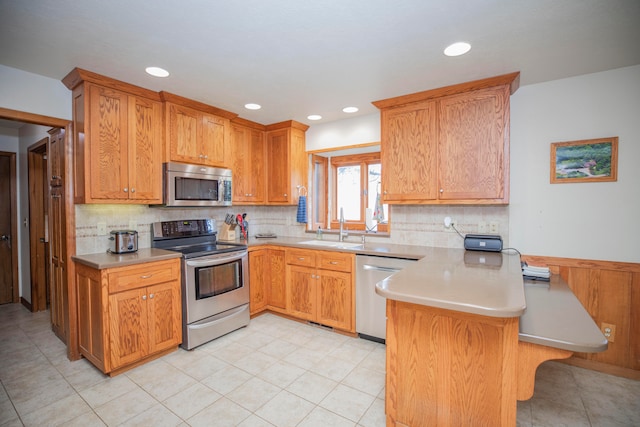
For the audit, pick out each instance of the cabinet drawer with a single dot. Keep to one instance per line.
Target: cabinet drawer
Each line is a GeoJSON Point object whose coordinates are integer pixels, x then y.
{"type": "Point", "coordinates": [301, 257]}
{"type": "Point", "coordinates": [335, 261]}
{"type": "Point", "coordinates": [141, 275]}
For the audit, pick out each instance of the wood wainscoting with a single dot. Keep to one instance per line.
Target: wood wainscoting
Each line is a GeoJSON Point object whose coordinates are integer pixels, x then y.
{"type": "Point", "coordinates": [610, 292]}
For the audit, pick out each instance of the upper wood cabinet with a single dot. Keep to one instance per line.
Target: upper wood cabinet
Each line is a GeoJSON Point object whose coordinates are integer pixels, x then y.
{"type": "Point", "coordinates": [117, 141]}
{"type": "Point", "coordinates": [248, 154]}
{"type": "Point", "coordinates": [287, 162]}
{"type": "Point", "coordinates": [448, 145]}
{"type": "Point", "coordinates": [196, 133]}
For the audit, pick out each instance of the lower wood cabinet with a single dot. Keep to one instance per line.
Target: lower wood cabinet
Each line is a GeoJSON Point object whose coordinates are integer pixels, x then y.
{"type": "Point", "coordinates": [320, 287]}
{"type": "Point", "coordinates": [128, 315]}
{"type": "Point", "coordinates": [266, 281]}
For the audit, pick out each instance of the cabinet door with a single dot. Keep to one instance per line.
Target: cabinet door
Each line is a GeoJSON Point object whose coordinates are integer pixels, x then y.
{"type": "Point", "coordinates": [108, 160]}
{"type": "Point", "coordinates": [408, 153]}
{"type": "Point", "coordinates": [278, 165]}
{"type": "Point", "coordinates": [165, 316]}
{"type": "Point", "coordinates": [56, 158]}
{"type": "Point", "coordinates": [301, 292]}
{"type": "Point", "coordinates": [258, 280]}
{"type": "Point", "coordinates": [145, 150]}
{"type": "Point", "coordinates": [248, 165]}
{"type": "Point", "coordinates": [257, 166]}
{"type": "Point", "coordinates": [473, 143]}
{"type": "Point", "coordinates": [183, 134]}
{"type": "Point", "coordinates": [277, 281]}
{"type": "Point", "coordinates": [128, 327]}
{"type": "Point", "coordinates": [58, 278]}
{"type": "Point", "coordinates": [335, 303]}
{"type": "Point", "coordinates": [213, 140]}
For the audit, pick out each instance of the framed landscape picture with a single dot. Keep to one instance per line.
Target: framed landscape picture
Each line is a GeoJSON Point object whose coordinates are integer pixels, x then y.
{"type": "Point", "coordinates": [590, 160]}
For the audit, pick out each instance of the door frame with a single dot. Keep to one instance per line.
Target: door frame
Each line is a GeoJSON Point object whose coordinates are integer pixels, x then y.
{"type": "Point", "coordinates": [73, 350]}
{"type": "Point", "coordinates": [13, 184]}
{"type": "Point", "coordinates": [38, 186]}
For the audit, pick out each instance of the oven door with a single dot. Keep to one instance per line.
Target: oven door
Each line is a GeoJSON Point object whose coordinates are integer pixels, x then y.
{"type": "Point", "coordinates": [214, 284]}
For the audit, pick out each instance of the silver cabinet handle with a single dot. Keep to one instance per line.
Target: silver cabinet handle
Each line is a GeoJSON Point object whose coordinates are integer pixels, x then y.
{"type": "Point", "coordinates": [144, 297]}
{"type": "Point", "coordinates": [285, 194]}
{"type": "Point", "coordinates": [125, 189]}
{"type": "Point", "coordinates": [442, 190]}
{"type": "Point", "coordinates": [133, 190]}
{"type": "Point", "coordinates": [333, 262]}
{"type": "Point", "coordinates": [378, 268]}
{"type": "Point", "coordinates": [151, 295]}
{"type": "Point", "coordinates": [146, 276]}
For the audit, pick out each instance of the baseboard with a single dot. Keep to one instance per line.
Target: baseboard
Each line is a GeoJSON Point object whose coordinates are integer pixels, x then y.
{"type": "Point", "coordinates": [605, 368]}
{"type": "Point", "coordinates": [26, 304]}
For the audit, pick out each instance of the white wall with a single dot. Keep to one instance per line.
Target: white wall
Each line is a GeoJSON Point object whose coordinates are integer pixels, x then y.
{"type": "Point", "coordinates": [586, 220]}
{"type": "Point", "coordinates": [353, 131]}
{"type": "Point", "coordinates": [33, 93]}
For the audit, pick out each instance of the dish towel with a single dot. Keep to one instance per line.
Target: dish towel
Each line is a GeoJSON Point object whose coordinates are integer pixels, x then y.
{"type": "Point", "coordinates": [302, 209]}
{"type": "Point", "coordinates": [378, 212]}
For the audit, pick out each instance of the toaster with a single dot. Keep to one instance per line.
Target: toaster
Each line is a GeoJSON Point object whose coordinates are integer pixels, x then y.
{"type": "Point", "coordinates": [123, 241]}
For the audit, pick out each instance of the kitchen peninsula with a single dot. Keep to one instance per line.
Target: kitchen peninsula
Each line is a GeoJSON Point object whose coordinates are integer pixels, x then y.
{"type": "Point", "coordinates": [457, 353]}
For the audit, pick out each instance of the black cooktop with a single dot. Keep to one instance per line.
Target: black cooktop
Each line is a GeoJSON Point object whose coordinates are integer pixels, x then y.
{"type": "Point", "coordinates": [192, 238]}
{"type": "Point", "coordinates": [192, 251]}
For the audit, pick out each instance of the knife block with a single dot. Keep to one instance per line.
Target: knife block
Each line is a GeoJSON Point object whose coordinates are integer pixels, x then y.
{"type": "Point", "coordinates": [227, 232]}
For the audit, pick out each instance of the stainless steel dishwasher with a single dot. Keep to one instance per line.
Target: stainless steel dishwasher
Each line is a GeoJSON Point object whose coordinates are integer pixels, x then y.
{"type": "Point", "coordinates": [371, 318]}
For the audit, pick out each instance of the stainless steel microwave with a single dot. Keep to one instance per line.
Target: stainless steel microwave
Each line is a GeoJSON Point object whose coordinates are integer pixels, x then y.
{"type": "Point", "coordinates": [194, 185]}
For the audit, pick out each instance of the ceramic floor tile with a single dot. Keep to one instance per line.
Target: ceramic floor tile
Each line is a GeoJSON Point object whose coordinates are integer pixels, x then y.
{"type": "Point", "coordinates": [365, 380]}
{"type": "Point", "coordinates": [376, 360]}
{"type": "Point", "coordinates": [58, 412]}
{"type": "Point", "coordinates": [89, 419]}
{"type": "Point", "coordinates": [320, 417]}
{"type": "Point", "coordinates": [233, 352]}
{"type": "Point", "coordinates": [286, 409]}
{"type": "Point", "coordinates": [281, 374]}
{"type": "Point", "coordinates": [225, 381]}
{"type": "Point", "coordinates": [170, 381]}
{"type": "Point", "coordinates": [554, 413]}
{"type": "Point", "coordinates": [350, 353]}
{"type": "Point", "coordinates": [255, 362]}
{"type": "Point", "coordinates": [108, 390]}
{"type": "Point", "coordinates": [254, 421]}
{"type": "Point", "coordinates": [278, 348]}
{"type": "Point", "coordinates": [304, 358]}
{"type": "Point", "coordinates": [125, 407]}
{"type": "Point", "coordinates": [312, 387]}
{"type": "Point", "coordinates": [156, 416]}
{"type": "Point", "coordinates": [7, 412]}
{"type": "Point", "coordinates": [223, 411]}
{"type": "Point", "coordinates": [374, 416]}
{"type": "Point", "coordinates": [347, 402]}
{"type": "Point", "coordinates": [192, 400]}
{"type": "Point", "coordinates": [333, 368]}
{"type": "Point", "coordinates": [253, 394]}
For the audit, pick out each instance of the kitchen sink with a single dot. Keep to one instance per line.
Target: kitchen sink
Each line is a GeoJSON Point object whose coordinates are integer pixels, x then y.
{"type": "Point", "coordinates": [330, 244]}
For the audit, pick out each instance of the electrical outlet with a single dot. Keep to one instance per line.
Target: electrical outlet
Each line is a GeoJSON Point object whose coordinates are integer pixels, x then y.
{"type": "Point", "coordinates": [448, 222]}
{"type": "Point", "coordinates": [482, 227]}
{"type": "Point", "coordinates": [609, 331]}
{"type": "Point", "coordinates": [494, 227]}
{"type": "Point", "coordinates": [132, 224]}
{"type": "Point", "coordinates": [102, 228]}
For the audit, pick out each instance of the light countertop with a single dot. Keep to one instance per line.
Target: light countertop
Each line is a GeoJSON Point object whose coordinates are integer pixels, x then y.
{"type": "Point", "coordinates": [108, 260]}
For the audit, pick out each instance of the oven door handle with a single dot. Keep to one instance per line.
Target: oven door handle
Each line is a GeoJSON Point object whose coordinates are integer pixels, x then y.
{"type": "Point", "coordinates": [209, 262]}
{"type": "Point", "coordinates": [230, 314]}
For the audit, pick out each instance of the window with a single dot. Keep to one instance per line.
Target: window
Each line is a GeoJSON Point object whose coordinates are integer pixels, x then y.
{"type": "Point", "coordinates": [355, 187]}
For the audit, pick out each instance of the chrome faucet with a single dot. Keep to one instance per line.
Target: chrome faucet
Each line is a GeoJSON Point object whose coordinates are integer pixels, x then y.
{"type": "Point", "coordinates": [343, 233]}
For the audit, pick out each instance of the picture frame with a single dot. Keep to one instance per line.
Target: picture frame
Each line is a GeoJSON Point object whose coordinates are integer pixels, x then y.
{"type": "Point", "coordinates": [589, 160]}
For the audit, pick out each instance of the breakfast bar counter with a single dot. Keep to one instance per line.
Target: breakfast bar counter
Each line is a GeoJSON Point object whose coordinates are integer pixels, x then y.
{"type": "Point", "coordinates": [465, 335]}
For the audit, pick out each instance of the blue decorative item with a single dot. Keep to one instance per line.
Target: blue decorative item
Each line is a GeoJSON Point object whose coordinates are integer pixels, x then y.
{"type": "Point", "coordinates": [302, 209]}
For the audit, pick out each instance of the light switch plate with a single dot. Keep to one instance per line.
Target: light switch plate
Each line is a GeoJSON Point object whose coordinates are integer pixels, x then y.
{"type": "Point", "coordinates": [102, 228]}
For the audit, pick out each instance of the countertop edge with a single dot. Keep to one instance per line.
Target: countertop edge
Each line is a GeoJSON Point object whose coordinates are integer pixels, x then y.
{"type": "Point", "coordinates": [101, 261]}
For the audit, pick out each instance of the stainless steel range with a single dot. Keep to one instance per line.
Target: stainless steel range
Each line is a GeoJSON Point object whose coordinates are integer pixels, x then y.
{"type": "Point", "coordinates": [215, 279]}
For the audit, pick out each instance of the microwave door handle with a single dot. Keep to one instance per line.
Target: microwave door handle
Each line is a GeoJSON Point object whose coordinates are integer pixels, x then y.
{"type": "Point", "coordinates": [208, 262]}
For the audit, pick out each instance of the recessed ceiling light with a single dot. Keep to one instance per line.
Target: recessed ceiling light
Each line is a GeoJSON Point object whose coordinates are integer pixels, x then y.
{"type": "Point", "coordinates": [252, 106]}
{"type": "Point", "coordinates": [457, 49]}
{"type": "Point", "coordinates": [350, 109]}
{"type": "Point", "coordinates": [314, 117]}
{"type": "Point", "coordinates": [157, 71]}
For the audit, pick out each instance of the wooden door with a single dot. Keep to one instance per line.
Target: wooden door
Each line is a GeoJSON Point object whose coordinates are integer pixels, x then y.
{"type": "Point", "coordinates": [58, 278]}
{"type": "Point", "coordinates": [165, 316]}
{"type": "Point", "coordinates": [257, 166]}
{"type": "Point", "coordinates": [277, 285]}
{"type": "Point", "coordinates": [183, 134]}
{"type": "Point", "coordinates": [241, 166]}
{"type": "Point", "coordinates": [408, 153]}
{"type": "Point", "coordinates": [472, 144]}
{"type": "Point", "coordinates": [8, 229]}
{"type": "Point", "coordinates": [302, 283]}
{"type": "Point", "coordinates": [38, 218]}
{"type": "Point", "coordinates": [213, 140]}
{"type": "Point", "coordinates": [258, 280]}
{"type": "Point", "coordinates": [108, 157]}
{"type": "Point", "coordinates": [278, 166]}
{"type": "Point", "coordinates": [129, 330]}
{"type": "Point", "coordinates": [145, 150]}
{"type": "Point", "coordinates": [334, 299]}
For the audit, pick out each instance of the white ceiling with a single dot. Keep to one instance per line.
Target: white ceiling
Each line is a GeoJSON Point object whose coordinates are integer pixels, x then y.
{"type": "Point", "coordinates": [303, 57]}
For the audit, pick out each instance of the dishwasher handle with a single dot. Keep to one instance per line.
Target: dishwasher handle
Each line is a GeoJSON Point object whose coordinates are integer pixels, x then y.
{"type": "Point", "coordinates": [378, 268]}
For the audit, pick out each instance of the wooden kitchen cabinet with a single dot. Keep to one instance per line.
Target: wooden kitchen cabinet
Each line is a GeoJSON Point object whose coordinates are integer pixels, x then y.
{"type": "Point", "coordinates": [248, 154]}
{"type": "Point", "coordinates": [267, 280]}
{"type": "Point", "coordinates": [196, 133]}
{"type": "Point", "coordinates": [320, 287]}
{"type": "Point", "coordinates": [128, 315]}
{"type": "Point", "coordinates": [448, 145]}
{"type": "Point", "coordinates": [117, 141]}
{"type": "Point", "coordinates": [287, 162]}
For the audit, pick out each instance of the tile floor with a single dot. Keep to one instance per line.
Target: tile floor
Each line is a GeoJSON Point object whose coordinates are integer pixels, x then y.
{"type": "Point", "coordinates": [276, 372]}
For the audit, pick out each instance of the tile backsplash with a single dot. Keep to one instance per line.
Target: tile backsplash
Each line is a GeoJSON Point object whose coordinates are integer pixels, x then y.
{"type": "Point", "coordinates": [410, 225]}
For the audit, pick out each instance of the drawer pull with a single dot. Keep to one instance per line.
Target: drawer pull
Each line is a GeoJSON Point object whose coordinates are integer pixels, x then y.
{"type": "Point", "coordinates": [144, 297]}
{"type": "Point", "coordinates": [333, 262]}
{"type": "Point", "coordinates": [300, 258]}
{"type": "Point", "coordinates": [151, 296]}
{"type": "Point", "coordinates": [147, 276]}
